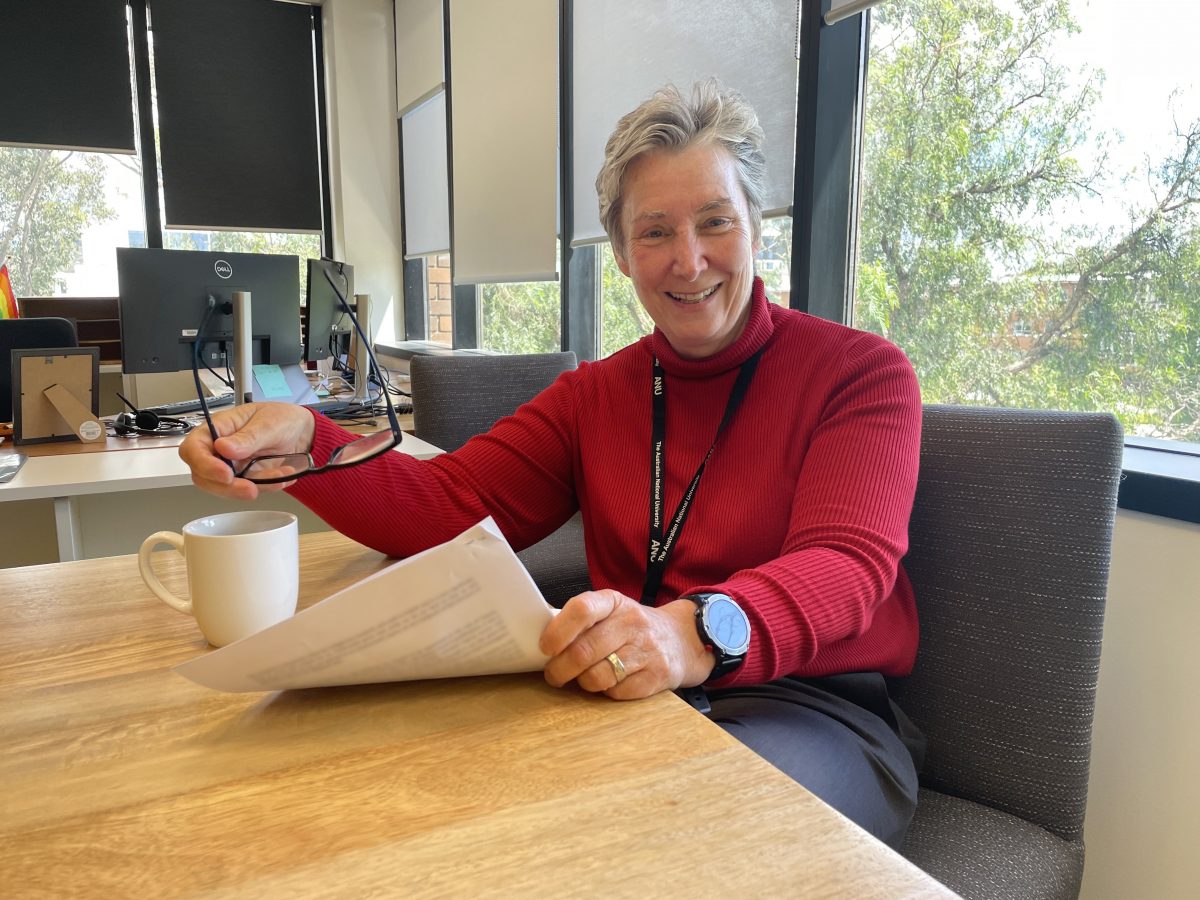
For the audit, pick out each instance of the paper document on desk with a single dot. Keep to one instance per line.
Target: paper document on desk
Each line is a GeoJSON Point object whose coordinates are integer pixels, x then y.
{"type": "Point", "coordinates": [465, 607]}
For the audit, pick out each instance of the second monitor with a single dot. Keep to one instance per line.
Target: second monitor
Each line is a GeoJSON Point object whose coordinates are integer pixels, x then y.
{"type": "Point", "coordinates": [327, 328]}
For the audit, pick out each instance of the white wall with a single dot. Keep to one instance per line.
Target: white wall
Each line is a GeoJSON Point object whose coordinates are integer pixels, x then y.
{"type": "Point", "coordinates": [116, 524]}
{"type": "Point", "coordinates": [1141, 831]}
{"type": "Point", "coordinates": [360, 84]}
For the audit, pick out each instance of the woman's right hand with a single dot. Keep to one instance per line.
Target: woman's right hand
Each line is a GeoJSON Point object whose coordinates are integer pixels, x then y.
{"type": "Point", "coordinates": [244, 432]}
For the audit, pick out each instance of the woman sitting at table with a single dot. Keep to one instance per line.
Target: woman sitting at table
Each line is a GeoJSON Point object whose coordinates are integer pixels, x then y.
{"type": "Point", "coordinates": [745, 473]}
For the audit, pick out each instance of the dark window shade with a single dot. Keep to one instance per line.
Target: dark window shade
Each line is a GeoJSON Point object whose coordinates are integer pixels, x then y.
{"type": "Point", "coordinates": [65, 75]}
{"type": "Point", "coordinates": [237, 114]}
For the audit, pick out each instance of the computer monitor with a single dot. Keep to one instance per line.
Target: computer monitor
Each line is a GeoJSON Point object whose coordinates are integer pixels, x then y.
{"type": "Point", "coordinates": [327, 328]}
{"type": "Point", "coordinates": [164, 295]}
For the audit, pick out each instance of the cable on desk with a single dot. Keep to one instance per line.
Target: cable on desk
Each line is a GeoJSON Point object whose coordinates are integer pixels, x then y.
{"type": "Point", "coordinates": [349, 375]}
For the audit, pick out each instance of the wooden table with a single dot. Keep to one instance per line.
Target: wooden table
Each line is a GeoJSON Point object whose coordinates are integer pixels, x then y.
{"type": "Point", "coordinates": [123, 779]}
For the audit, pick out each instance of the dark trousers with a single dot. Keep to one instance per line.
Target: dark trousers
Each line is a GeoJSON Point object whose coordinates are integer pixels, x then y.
{"type": "Point", "coordinates": [839, 736]}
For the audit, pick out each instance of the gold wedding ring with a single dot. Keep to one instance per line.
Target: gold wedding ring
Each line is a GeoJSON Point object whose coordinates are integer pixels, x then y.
{"type": "Point", "coordinates": [618, 667]}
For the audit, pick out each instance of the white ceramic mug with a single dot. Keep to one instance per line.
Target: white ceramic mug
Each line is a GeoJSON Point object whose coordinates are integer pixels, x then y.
{"type": "Point", "coordinates": [243, 571]}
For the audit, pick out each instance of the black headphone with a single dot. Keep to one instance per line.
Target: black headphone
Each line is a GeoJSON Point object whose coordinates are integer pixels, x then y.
{"type": "Point", "coordinates": [145, 421]}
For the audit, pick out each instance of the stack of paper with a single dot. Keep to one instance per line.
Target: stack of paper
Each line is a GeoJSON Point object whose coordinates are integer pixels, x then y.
{"type": "Point", "coordinates": [465, 607]}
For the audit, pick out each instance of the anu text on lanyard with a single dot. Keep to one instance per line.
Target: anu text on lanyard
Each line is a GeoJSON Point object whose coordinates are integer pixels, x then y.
{"type": "Point", "coordinates": [661, 546]}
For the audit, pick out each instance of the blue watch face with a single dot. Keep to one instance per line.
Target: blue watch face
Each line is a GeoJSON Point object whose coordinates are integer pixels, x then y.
{"type": "Point", "coordinates": [728, 625]}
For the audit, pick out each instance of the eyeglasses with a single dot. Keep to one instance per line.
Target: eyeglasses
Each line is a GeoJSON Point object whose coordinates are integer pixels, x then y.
{"type": "Point", "coordinates": [289, 467]}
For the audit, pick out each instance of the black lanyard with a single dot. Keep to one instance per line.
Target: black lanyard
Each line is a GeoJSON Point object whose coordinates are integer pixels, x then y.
{"type": "Point", "coordinates": [659, 550]}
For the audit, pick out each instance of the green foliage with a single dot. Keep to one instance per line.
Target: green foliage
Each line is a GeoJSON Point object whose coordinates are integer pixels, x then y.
{"type": "Point", "coordinates": [973, 142]}
{"type": "Point", "coordinates": [622, 316]}
{"type": "Point", "coordinates": [47, 199]}
{"type": "Point", "coordinates": [520, 318]}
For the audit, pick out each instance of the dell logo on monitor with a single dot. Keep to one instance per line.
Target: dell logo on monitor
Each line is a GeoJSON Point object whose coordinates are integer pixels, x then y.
{"type": "Point", "coordinates": [223, 269]}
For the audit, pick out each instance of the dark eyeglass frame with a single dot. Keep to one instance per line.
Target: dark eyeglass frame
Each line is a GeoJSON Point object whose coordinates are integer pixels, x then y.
{"type": "Point", "coordinates": [335, 461]}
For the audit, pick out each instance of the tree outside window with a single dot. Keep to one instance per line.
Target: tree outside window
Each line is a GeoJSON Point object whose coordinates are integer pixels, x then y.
{"type": "Point", "coordinates": [49, 199]}
{"type": "Point", "coordinates": [1009, 241]}
{"type": "Point", "coordinates": [520, 318]}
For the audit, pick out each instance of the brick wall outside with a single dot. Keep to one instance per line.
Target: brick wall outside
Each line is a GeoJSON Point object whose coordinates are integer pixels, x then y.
{"type": "Point", "coordinates": [437, 273]}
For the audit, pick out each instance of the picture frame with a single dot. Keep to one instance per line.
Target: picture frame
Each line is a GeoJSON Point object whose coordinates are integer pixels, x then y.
{"type": "Point", "coordinates": [56, 395]}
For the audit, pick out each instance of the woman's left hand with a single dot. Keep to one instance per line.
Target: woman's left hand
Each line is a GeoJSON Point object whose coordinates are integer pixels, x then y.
{"type": "Point", "coordinates": [659, 647]}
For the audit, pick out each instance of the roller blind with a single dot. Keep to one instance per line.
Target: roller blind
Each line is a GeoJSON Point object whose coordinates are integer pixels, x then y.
{"type": "Point", "coordinates": [237, 114]}
{"type": "Point", "coordinates": [504, 132]}
{"type": "Point", "coordinates": [624, 51]}
{"type": "Point", "coordinates": [844, 9]}
{"type": "Point", "coordinates": [426, 192]}
{"type": "Point", "coordinates": [420, 66]}
{"type": "Point", "coordinates": [65, 75]}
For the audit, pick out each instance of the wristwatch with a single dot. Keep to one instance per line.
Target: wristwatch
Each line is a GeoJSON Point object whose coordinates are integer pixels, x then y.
{"type": "Point", "coordinates": [723, 628]}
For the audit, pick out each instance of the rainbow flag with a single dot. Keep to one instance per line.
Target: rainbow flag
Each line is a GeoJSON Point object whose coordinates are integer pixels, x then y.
{"type": "Point", "coordinates": [8, 300]}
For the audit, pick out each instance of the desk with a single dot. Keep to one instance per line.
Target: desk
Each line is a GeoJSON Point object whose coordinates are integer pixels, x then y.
{"type": "Point", "coordinates": [66, 471]}
{"type": "Point", "coordinates": [123, 779]}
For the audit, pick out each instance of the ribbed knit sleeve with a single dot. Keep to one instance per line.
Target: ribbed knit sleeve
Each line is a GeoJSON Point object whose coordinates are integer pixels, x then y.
{"type": "Point", "coordinates": [832, 600]}
{"type": "Point", "coordinates": [521, 473]}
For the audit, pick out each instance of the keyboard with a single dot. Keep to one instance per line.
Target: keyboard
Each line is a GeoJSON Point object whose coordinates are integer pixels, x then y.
{"type": "Point", "coordinates": [183, 407]}
{"type": "Point", "coordinates": [324, 405]}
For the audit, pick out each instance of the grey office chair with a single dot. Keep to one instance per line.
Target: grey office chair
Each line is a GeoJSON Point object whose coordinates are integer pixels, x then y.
{"type": "Point", "coordinates": [457, 397]}
{"type": "Point", "coordinates": [43, 332]}
{"type": "Point", "coordinates": [1008, 556]}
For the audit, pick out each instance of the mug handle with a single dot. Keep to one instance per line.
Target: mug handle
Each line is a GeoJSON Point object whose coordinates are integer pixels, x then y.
{"type": "Point", "coordinates": [151, 578]}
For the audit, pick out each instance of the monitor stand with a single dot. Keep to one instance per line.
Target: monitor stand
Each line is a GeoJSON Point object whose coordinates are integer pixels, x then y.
{"type": "Point", "coordinates": [246, 388]}
{"type": "Point", "coordinates": [243, 349]}
{"type": "Point", "coordinates": [362, 361]}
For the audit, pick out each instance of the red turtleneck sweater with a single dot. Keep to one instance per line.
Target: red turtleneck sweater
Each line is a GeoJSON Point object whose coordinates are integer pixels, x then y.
{"type": "Point", "coordinates": [801, 515]}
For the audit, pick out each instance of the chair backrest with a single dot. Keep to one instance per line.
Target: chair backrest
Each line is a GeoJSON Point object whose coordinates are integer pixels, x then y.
{"type": "Point", "coordinates": [28, 334]}
{"type": "Point", "coordinates": [458, 397]}
{"type": "Point", "coordinates": [1008, 556]}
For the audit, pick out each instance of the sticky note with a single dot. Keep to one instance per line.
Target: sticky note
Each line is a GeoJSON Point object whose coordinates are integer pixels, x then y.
{"type": "Point", "coordinates": [272, 383]}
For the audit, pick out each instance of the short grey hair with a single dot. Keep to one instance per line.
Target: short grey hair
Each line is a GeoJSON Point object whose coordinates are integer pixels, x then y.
{"type": "Point", "coordinates": [669, 121]}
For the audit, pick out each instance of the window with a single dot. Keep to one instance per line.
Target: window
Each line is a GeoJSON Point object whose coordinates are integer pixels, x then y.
{"type": "Point", "coordinates": [622, 318]}
{"type": "Point", "coordinates": [1029, 230]}
{"type": "Point", "coordinates": [773, 263]}
{"type": "Point", "coordinates": [61, 214]}
{"type": "Point", "coordinates": [64, 211]}
{"type": "Point", "coordinates": [512, 317]}
{"type": "Point", "coordinates": [522, 317]}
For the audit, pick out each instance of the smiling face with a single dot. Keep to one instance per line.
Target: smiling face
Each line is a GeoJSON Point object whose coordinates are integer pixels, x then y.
{"type": "Point", "coordinates": [688, 246]}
